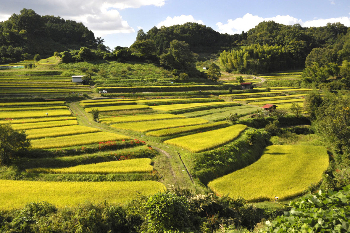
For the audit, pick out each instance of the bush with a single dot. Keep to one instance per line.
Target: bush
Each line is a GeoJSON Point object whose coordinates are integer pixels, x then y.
{"type": "Point", "coordinates": [12, 144]}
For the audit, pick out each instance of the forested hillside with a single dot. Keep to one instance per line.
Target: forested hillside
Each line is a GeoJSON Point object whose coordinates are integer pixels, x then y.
{"type": "Point", "coordinates": [26, 34]}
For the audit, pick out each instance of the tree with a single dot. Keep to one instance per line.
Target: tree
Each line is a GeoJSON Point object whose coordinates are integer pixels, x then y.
{"type": "Point", "coordinates": [167, 212]}
{"type": "Point", "coordinates": [312, 102]}
{"type": "Point", "coordinates": [179, 56]}
{"type": "Point", "coordinates": [12, 143]}
{"type": "Point", "coordinates": [95, 114]}
{"type": "Point", "coordinates": [214, 72]}
{"type": "Point", "coordinates": [296, 109]}
{"type": "Point", "coordinates": [37, 57]}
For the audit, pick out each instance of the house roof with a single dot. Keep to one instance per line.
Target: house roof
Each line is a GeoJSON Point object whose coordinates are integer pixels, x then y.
{"type": "Point", "coordinates": [246, 83]}
{"type": "Point", "coordinates": [267, 106]}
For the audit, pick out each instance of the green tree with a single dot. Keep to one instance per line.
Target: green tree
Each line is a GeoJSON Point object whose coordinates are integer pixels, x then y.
{"type": "Point", "coordinates": [12, 144]}
{"type": "Point", "coordinates": [214, 72]}
{"type": "Point", "coordinates": [179, 57]}
{"type": "Point", "coordinates": [312, 102]}
{"type": "Point", "coordinates": [37, 57]}
{"type": "Point", "coordinates": [296, 109]}
{"type": "Point", "coordinates": [167, 212]}
{"type": "Point", "coordinates": [95, 114]}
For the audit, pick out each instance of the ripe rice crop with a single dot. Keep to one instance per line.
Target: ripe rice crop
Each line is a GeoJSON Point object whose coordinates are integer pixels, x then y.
{"type": "Point", "coordinates": [174, 107]}
{"type": "Point", "coordinates": [283, 170]}
{"type": "Point", "coordinates": [32, 103]}
{"type": "Point", "coordinates": [159, 124]}
{"type": "Point", "coordinates": [109, 103]}
{"type": "Point", "coordinates": [145, 117]}
{"type": "Point", "coordinates": [105, 100]}
{"type": "Point", "coordinates": [176, 101]}
{"type": "Point", "coordinates": [79, 139]}
{"type": "Point", "coordinates": [59, 131]}
{"type": "Point", "coordinates": [15, 194]}
{"type": "Point", "coordinates": [33, 114]}
{"type": "Point", "coordinates": [118, 108]}
{"type": "Point", "coordinates": [208, 140]}
{"type": "Point", "coordinates": [122, 166]}
{"type": "Point", "coordinates": [183, 129]}
{"type": "Point", "coordinates": [40, 119]}
{"type": "Point", "coordinates": [32, 108]}
{"type": "Point", "coordinates": [45, 124]}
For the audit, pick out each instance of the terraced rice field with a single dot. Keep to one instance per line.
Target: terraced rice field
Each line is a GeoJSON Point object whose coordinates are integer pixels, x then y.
{"type": "Point", "coordinates": [59, 131]}
{"type": "Point", "coordinates": [123, 166]}
{"type": "Point", "coordinates": [176, 107]}
{"type": "Point", "coordinates": [283, 170]}
{"type": "Point", "coordinates": [34, 114]}
{"type": "Point", "coordinates": [184, 129]}
{"type": "Point", "coordinates": [45, 124]}
{"type": "Point", "coordinates": [79, 139]}
{"type": "Point", "coordinates": [16, 194]}
{"type": "Point", "coordinates": [208, 140]}
{"type": "Point", "coordinates": [159, 124]}
{"type": "Point", "coordinates": [118, 108]}
{"type": "Point", "coordinates": [141, 117]}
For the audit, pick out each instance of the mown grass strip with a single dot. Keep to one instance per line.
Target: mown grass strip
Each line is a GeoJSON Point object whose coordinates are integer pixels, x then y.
{"type": "Point", "coordinates": [272, 98]}
{"type": "Point", "coordinates": [105, 100]}
{"type": "Point", "coordinates": [283, 170]}
{"type": "Point", "coordinates": [45, 124]}
{"type": "Point", "coordinates": [34, 113]}
{"type": "Point", "coordinates": [79, 139]}
{"type": "Point", "coordinates": [184, 129]}
{"type": "Point", "coordinates": [15, 194]}
{"type": "Point", "coordinates": [208, 140]}
{"type": "Point", "coordinates": [59, 131]}
{"type": "Point", "coordinates": [122, 166]}
{"type": "Point", "coordinates": [159, 124]}
{"type": "Point", "coordinates": [118, 108]}
{"type": "Point", "coordinates": [273, 101]}
{"type": "Point", "coordinates": [145, 117]}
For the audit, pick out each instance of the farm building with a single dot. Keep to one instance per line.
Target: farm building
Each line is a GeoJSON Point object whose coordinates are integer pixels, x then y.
{"type": "Point", "coordinates": [246, 86]}
{"type": "Point", "coordinates": [77, 79]}
{"type": "Point", "coordinates": [269, 107]}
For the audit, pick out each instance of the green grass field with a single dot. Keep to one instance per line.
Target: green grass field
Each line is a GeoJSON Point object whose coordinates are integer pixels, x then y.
{"type": "Point", "coordinates": [283, 170]}
{"type": "Point", "coordinates": [16, 194]}
{"type": "Point", "coordinates": [44, 124]}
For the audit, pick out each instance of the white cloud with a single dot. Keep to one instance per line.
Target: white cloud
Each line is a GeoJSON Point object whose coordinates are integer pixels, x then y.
{"type": "Point", "coordinates": [332, 2]}
{"type": "Point", "coordinates": [249, 21]}
{"type": "Point", "coordinates": [100, 16]}
{"type": "Point", "coordinates": [4, 17]}
{"type": "Point", "coordinates": [323, 22]}
{"type": "Point", "coordinates": [178, 20]}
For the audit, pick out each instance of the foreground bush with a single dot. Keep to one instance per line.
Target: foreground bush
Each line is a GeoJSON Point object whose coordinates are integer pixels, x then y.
{"type": "Point", "coordinates": [321, 212]}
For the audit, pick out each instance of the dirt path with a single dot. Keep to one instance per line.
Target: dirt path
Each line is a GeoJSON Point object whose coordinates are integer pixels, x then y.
{"type": "Point", "coordinates": [85, 119]}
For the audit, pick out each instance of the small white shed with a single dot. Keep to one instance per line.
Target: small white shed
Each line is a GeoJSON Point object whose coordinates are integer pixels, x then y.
{"type": "Point", "coordinates": [77, 79]}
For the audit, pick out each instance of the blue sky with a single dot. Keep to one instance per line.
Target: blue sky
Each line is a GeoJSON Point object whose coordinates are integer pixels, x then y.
{"type": "Point", "coordinates": [117, 21]}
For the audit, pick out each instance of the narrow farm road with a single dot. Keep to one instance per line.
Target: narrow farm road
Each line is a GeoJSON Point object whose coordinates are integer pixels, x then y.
{"type": "Point", "coordinates": [164, 163]}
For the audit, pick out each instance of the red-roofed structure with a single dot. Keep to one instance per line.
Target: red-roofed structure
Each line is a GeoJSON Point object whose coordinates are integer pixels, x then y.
{"type": "Point", "coordinates": [269, 107]}
{"type": "Point", "coordinates": [246, 86]}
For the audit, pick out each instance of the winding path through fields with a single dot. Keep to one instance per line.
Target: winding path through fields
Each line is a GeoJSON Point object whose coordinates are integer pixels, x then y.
{"type": "Point", "coordinates": [85, 119]}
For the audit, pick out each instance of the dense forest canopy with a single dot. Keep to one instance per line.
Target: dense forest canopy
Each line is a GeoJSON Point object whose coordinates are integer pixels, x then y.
{"type": "Point", "coordinates": [27, 33]}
